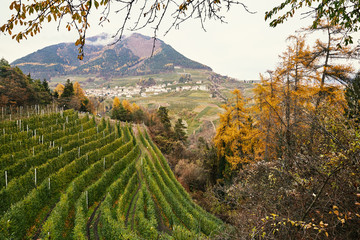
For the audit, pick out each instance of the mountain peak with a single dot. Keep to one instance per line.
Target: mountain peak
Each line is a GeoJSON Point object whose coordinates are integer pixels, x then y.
{"type": "Point", "coordinates": [134, 55]}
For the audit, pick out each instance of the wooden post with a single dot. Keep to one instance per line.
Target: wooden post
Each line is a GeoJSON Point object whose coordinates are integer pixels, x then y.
{"type": "Point", "coordinates": [6, 180]}
{"type": "Point", "coordinates": [87, 199]}
{"type": "Point", "coordinates": [79, 152]}
{"type": "Point", "coordinates": [49, 183]}
{"type": "Point", "coordinates": [35, 177]}
{"type": "Point", "coordinates": [104, 163]}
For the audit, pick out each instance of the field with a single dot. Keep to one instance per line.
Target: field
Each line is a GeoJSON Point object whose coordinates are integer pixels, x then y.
{"type": "Point", "coordinates": [71, 176]}
{"type": "Point", "coordinates": [196, 108]}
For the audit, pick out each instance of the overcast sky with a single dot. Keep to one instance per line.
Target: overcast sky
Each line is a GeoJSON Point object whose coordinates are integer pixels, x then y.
{"type": "Point", "coordinates": [242, 48]}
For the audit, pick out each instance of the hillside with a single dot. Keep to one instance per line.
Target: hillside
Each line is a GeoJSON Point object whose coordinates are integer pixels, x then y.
{"type": "Point", "coordinates": [68, 177]}
{"type": "Point", "coordinates": [17, 89]}
{"type": "Point", "coordinates": [129, 57]}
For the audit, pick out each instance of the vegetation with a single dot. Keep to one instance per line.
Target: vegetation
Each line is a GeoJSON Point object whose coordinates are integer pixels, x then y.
{"type": "Point", "coordinates": [17, 89]}
{"type": "Point", "coordinates": [292, 151]}
{"type": "Point", "coordinates": [345, 14]}
{"type": "Point", "coordinates": [84, 180]}
{"type": "Point", "coordinates": [72, 96]}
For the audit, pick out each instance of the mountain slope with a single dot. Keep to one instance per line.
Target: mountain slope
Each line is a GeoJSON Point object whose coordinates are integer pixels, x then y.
{"type": "Point", "coordinates": [131, 56]}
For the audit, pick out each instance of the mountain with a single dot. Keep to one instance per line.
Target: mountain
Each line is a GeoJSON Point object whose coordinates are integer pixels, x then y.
{"type": "Point", "coordinates": [129, 57]}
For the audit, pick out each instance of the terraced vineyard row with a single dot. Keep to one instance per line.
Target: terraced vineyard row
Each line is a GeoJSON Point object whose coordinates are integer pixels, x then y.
{"type": "Point", "coordinates": [69, 177]}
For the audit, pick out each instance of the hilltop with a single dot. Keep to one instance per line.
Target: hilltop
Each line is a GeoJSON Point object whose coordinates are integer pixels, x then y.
{"type": "Point", "coordinates": [134, 55]}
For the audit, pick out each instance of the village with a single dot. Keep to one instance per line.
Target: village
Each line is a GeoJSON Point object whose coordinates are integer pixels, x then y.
{"type": "Point", "coordinates": [135, 91]}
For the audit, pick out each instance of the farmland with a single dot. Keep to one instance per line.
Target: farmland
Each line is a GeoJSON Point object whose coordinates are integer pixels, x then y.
{"type": "Point", "coordinates": [67, 175]}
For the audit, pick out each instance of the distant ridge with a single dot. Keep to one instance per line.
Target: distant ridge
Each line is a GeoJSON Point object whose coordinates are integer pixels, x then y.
{"type": "Point", "coordinates": [129, 57]}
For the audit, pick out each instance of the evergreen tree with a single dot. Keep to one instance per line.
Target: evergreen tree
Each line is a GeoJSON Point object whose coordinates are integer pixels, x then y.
{"type": "Point", "coordinates": [179, 130]}
{"type": "Point", "coordinates": [68, 90]}
{"type": "Point", "coordinates": [352, 96]}
{"type": "Point", "coordinates": [163, 114]}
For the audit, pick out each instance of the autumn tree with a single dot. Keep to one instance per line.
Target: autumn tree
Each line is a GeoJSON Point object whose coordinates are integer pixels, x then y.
{"type": "Point", "coordinates": [125, 111]}
{"type": "Point", "coordinates": [344, 14]}
{"type": "Point", "coordinates": [235, 137]}
{"type": "Point", "coordinates": [59, 89]}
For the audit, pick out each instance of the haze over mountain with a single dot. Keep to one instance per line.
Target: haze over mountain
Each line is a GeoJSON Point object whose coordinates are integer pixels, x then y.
{"type": "Point", "coordinates": [129, 57]}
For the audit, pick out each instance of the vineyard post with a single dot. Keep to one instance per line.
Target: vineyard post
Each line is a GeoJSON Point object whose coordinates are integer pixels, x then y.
{"type": "Point", "coordinates": [35, 177]}
{"type": "Point", "coordinates": [33, 151]}
{"type": "Point", "coordinates": [6, 180]}
{"type": "Point", "coordinates": [2, 112]}
{"type": "Point", "coordinates": [87, 199]}
{"type": "Point", "coordinates": [79, 152]}
{"type": "Point", "coordinates": [10, 116]}
{"type": "Point", "coordinates": [97, 129]}
{"type": "Point", "coordinates": [104, 163]}
{"type": "Point", "coordinates": [49, 184]}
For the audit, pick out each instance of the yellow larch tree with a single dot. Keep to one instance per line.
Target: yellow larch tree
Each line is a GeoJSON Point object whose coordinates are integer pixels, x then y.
{"type": "Point", "coordinates": [126, 104]}
{"type": "Point", "coordinates": [116, 102]}
{"type": "Point", "coordinates": [59, 89]}
{"type": "Point", "coordinates": [78, 91]}
{"type": "Point", "coordinates": [235, 137]}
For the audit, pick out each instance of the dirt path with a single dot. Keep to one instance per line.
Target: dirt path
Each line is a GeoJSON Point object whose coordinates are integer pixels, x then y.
{"type": "Point", "coordinates": [38, 231]}
{"type": "Point", "coordinates": [96, 223]}
{"type": "Point", "coordinates": [132, 199]}
{"type": "Point", "coordinates": [88, 224]}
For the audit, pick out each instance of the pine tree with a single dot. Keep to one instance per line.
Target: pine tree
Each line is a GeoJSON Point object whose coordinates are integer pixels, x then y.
{"type": "Point", "coordinates": [68, 90]}
{"type": "Point", "coordinates": [179, 130]}
{"type": "Point", "coordinates": [163, 114]}
{"type": "Point", "coordinates": [352, 96]}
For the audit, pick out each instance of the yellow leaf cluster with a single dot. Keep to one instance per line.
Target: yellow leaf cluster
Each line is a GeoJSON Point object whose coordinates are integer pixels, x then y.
{"type": "Point", "coordinates": [59, 89]}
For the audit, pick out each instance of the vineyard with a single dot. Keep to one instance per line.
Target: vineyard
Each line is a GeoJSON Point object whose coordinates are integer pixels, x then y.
{"type": "Point", "coordinates": [67, 175]}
